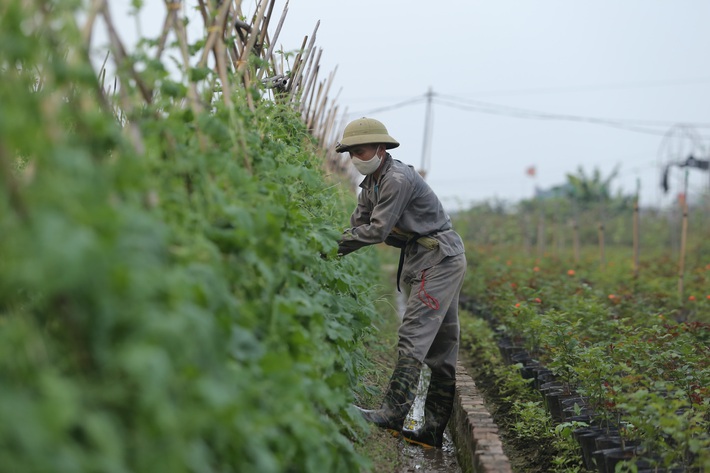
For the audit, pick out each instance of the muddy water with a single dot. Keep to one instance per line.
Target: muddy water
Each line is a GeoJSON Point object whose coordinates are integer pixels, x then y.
{"type": "Point", "coordinates": [414, 458]}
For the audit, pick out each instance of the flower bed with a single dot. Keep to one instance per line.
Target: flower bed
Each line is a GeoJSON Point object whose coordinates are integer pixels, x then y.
{"type": "Point", "coordinates": [637, 361]}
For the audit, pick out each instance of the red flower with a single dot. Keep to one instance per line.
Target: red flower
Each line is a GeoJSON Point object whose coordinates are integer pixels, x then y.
{"type": "Point", "coordinates": [570, 272]}
{"type": "Point", "coordinates": [537, 300]}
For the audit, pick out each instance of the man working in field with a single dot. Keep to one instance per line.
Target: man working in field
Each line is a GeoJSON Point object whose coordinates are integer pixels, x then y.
{"type": "Point", "coordinates": [398, 208]}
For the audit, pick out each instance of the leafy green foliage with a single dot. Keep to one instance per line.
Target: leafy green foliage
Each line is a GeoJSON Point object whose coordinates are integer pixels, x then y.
{"type": "Point", "coordinates": [166, 309]}
{"type": "Point", "coordinates": [642, 362]}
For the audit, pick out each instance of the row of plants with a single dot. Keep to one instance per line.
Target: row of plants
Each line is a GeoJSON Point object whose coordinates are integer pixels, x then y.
{"type": "Point", "coordinates": [168, 307]}
{"type": "Point", "coordinates": [638, 362]}
{"type": "Point", "coordinates": [532, 442]}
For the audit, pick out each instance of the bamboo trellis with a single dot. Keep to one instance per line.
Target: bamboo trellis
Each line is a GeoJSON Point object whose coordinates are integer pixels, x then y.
{"type": "Point", "coordinates": [232, 44]}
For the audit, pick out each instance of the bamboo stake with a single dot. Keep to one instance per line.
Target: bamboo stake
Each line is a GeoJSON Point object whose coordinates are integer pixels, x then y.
{"type": "Point", "coordinates": [120, 55]}
{"type": "Point", "coordinates": [214, 31]}
{"type": "Point", "coordinates": [331, 77]}
{"type": "Point", "coordinates": [524, 234]}
{"type": "Point", "coordinates": [203, 12]}
{"type": "Point", "coordinates": [243, 30]}
{"type": "Point", "coordinates": [237, 24]}
{"type": "Point", "coordinates": [264, 27]}
{"type": "Point", "coordinates": [88, 28]}
{"type": "Point", "coordinates": [328, 129]}
{"type": "Point", "coordinates": [272, 43]}
{"type": "Point", "coordinates": [555, 230]}
{"type": "Point", "coordinates": [322, 128]}
{"type": "Point", "coordinates": [683, 240]}
{"type": "Point", "coordinates": [311, 76]}
{"type": "Point", "coordinates": [182, 40]}
{"type": "Point", "coordinates": [575, 241]}
{"type": "Point", "coordinates": [294, 69]}
{"type": "Point", "coordinates": [167, 24]}
{"type": "Point", "coordinates": [297, 76]}
{"type": "Point", "coordinates": [636, 231]}
{"type": "Point", "coordinates": [308, 96]}
{"type": "Point", "coordinates": [602, 260]}
{"type": "Point", "coordinates": [601, 230]}
{"type": "Point", "coordinates": [252, 37]}
{"type": "Point", "coordinates": [541, 237]}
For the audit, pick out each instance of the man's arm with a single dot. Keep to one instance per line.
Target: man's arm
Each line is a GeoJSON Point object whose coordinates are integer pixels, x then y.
{"type": "Point", "coordinates": [394, 195]}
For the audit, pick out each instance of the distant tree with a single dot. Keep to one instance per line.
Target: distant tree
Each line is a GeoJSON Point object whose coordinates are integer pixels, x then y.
{"type": "Point", "coordinates": [590, 190]}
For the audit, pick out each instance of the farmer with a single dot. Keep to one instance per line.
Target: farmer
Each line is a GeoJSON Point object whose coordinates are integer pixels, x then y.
{"type": "Point", "coordinates": [398, 208]}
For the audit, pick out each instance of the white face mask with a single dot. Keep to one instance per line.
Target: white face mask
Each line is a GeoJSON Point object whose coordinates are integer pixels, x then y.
{"type": "Point", "coordinates": [367, 167]}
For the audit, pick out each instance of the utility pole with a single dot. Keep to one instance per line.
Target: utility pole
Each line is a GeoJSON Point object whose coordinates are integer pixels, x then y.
{"type": "Point", "coordinates": [426, 145]}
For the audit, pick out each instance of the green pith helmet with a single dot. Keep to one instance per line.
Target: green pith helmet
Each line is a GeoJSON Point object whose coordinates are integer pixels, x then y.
{"type": "Point", "coordinates": [365, 131]}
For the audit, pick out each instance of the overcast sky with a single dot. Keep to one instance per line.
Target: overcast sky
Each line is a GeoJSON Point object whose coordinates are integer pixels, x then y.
{"type": "Point", "coordinates": [642, 64]}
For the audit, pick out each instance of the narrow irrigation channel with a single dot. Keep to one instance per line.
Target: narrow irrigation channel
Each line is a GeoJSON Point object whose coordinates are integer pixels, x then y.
{"type": "Point", "coordinates": [413, 458]}
{"type": "Point", "coordinates": [471, 439]}
{"type": "Point", "coordinates": [471, 442]}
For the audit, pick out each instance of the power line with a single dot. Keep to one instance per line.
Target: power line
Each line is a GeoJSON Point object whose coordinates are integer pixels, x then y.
{"type": "Point", "coordinates": [653, 127]}
{"type": "Point", "coordinates": [578, 88]}
{"type": "Point", "coordinates": [412, 101]}
{"type": "Point", "coordinates": [639, 126]}
{"type": "Point", "coordinates": [478, 103]}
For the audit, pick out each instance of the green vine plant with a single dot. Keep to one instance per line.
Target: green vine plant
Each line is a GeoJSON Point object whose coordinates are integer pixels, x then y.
{"type": "Point", "coordinates": [164, 306]}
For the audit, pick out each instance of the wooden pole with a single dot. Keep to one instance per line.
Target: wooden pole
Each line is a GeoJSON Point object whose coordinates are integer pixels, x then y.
{"type": "Point", "coordinates": [426, 141]}
{"type": "Point", "coordinates": [525, 234]}
{"type": "Point", "coordinates": [575, 232]}
{"type": "Point", "coordinates": [636, 230]}
{"type": "Point", "coordinates": [683, 239]}
{"type": "Point", "coordinates": [541, 236]}
{"type": "Point", "coordinates": [602, 256]}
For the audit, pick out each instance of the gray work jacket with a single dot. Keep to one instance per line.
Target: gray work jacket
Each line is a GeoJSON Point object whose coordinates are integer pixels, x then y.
{"type": "Point", "coordinates": [395, 206]}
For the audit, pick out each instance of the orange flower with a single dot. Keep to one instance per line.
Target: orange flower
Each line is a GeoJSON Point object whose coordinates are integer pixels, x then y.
{"type": "Point", "coordinates": [709, 297]}
{"type": "Point", "coordinates": [517, 305]}
{"type": "Point", "coordinates": [536, 269]}
{"type": "Point", "coordinates": [691, 298]}
{"type": "Point", "coordinates": [570, 272]}
{"type": "Point", "coordinates": [612, 297]}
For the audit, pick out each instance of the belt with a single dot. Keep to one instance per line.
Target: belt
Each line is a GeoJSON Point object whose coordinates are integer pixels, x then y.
{"type": "Point", "coordinates": [426, 241]}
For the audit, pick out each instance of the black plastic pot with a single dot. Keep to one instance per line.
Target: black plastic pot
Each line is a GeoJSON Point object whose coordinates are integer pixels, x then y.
{"type": "Point", "coordinates": [508, 351]}
{"type": "Point", "coordinates": [586, 438]}
{"type": "Point", "coordinates": [587, 416]}
{"type": "Point", "coordinates": [575, 406]}
{"type": "Point", "coordinates": [573, 401]}
{"type": "Point", "coordinates": [662, 470]}
{"type": "Point", "coordinates": [551, 386]}
{"type": "Point", "coordinates": [612, 456]}
{"type": "Point", "coordinates": [542, 376]}
{"type": "Point", "coordinates": [607, 441]}
{"type": "Point", "coordinates": [554, 400]}
{"type": "Point", "coordinates": [521, 357]}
